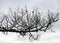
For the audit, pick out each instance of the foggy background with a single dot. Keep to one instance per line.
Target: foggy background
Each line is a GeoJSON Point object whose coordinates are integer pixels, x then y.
{"type": "Point", "coordinates": [43, 5]}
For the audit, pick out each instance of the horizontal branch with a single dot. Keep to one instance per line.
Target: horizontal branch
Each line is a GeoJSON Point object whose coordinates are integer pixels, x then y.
{"type": "Point", "coordinates": [17, 31]}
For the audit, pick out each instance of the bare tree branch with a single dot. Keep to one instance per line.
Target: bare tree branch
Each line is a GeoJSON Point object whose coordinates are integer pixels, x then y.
{"type": "Point", "coordinates": [27, 22]}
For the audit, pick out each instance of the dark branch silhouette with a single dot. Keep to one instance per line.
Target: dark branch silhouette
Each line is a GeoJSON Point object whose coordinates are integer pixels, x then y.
{"type": "Point", "coordinates": [27, 22]}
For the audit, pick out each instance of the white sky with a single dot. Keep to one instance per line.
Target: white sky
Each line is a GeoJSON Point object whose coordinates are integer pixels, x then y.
{"type": "Point", "coordinates": [41, 4]}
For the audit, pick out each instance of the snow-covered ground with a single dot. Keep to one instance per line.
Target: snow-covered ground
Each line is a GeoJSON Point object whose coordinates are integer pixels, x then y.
{"type": "Point", "coordinates": [47, 37]}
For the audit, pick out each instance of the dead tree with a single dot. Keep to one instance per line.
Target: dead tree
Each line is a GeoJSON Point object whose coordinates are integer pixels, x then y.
{"type": "Point", "coordinates": [24, 22]}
